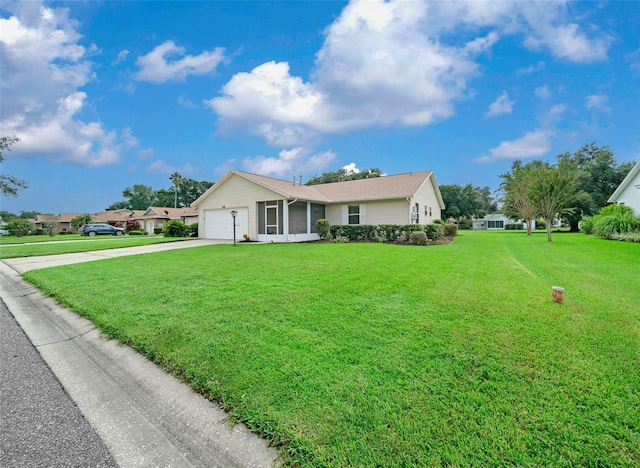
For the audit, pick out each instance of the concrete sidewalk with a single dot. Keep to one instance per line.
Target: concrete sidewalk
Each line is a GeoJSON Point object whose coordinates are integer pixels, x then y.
{"type": "Point", "coordinates": [144, 416]}
{"type": "Point", "coordinates": [23, 264]}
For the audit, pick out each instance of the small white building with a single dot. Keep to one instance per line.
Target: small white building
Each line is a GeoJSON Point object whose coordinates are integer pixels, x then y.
{"type": "Point", "coordinates": [497, 221]}
{"type": "Point", "coordinates": [628, 192]}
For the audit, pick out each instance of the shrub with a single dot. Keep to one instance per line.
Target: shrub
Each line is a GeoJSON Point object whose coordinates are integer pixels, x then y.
{"type": "Point", "coordinates": [465, 224]}
{"type": "Point", "coordinates": [450, 230]}
{"type": "Point", "coordinates": [512, 226]}
{"type": "Point", "coordinates": [157, 230]}
{"type": "Point", "coordinates": [192, 230]}
{"type": "Point", "coordinates": [613, 220]}
{"type": "Point", "coordinates": [586, 225]}
{"type": "Point", "coordinates": [137, 233]}
{"type": "Point", "coordinates": [541, 224]}
{"type": "Point", "coordinates": [418, 238]}
{"type": "Point", "coordinates": [19, 227]}
{"type": "Point", "coordinates": [434, 231]}
{"type": "Point", "coordinates": [65, 233]}
{"type": "Point", "coordinates": [438, 221]}
{"type": "Point", "coordinates": [324, 228]}
{"type": "Point", "coordinates": [132, 225]}
{"type": "Point", "coordinates": [628, 236]}
{"type": "Point", "coordinates": [174, 228]}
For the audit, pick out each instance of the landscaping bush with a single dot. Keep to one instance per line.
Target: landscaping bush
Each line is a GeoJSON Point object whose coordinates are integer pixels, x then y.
{"type": "Point", "coordinates": [65, 233]}
{"type": "Point", "coordinates": [137, 233]}
{"type": "Point", "coordinates": [434, 231]}
{"type": "Point", "coordinates": [20, 227]}
{"type": "Point", "coordinates": [132, 225]}
{"type": "Point", "coordinates": [192, 230]}
{"type": "Point", "coordinates": [465, 224]}
{"type": "Point", "coordinates": [513, 226]}
{"type": "Point", "coordinates": [586, 225]}
{"type": "Point", "coordinates": [541, 224]}
{"type": "Point", "coordinates": [324, 228]}
{"type": "Point", "coordinates": [450, 230]}
{"type": "Point", "coordinates": [175, 229]}
{"type": "Point", "coordinates": [438, 221]}
{"type": "Point", "coordinates": [418, 238]}
{"type": "Point", "coordinates": [157, 230]}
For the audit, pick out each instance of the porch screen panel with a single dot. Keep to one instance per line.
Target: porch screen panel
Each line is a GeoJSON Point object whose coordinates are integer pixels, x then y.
{"type": "Point", "coordinates": [261, 218]}
{"type": "Point", "coordinates": [317, 212]}
{"type": "Point", "coordinates": [298, 218]}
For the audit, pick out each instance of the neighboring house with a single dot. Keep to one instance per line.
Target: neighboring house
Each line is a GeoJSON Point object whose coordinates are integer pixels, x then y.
{"type": "Point", "coordinates": [494, 221]}
{"type": "Point", "coordinates": [116, 217]}
{"type": "Point", "coordinates": [628, 192]}
{"type": "Point", "coordinates": [276, 210]}
{"type": "Point", "coordinates": [156, 216]}
{"type": "Point", "coordinates": [63, 221]}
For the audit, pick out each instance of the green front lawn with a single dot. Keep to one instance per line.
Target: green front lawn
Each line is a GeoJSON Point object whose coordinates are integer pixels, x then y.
{"type": "Point", "coordinates": [81, 244]}
{"type": "Point", "coordinates": [385, 355]}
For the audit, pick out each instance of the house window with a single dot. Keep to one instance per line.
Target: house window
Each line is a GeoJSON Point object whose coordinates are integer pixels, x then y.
{"type": "Point", "coordinates": [354, 214]}
{"type": "Point", "coordinates": [416, 214]}
{"type": "Point", "coordinates": [495, 224]}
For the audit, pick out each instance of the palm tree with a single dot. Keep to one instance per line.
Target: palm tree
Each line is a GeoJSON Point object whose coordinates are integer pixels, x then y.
{"type": "Point", "coordinates": [177, 179]}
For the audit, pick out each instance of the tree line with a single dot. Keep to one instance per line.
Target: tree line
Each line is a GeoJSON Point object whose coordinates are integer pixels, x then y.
{"type": "Point", "coordinates": [184, 192]}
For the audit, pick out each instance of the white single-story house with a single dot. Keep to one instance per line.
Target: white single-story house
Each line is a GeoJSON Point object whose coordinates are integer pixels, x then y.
{"type": "Point", "coordinates": [628, 192]}
{"type": "Point", "coordinates": [269, 209]}
{"type": "Point", "coordinates": [495, 221]}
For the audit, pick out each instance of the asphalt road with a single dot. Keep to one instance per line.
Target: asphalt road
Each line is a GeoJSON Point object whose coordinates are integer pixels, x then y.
{"type": "Point", "coordinates": [40, 426]}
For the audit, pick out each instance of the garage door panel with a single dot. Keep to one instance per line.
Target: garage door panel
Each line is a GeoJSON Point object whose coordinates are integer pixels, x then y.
{"type": "Point", "coordinates": [219, 223]}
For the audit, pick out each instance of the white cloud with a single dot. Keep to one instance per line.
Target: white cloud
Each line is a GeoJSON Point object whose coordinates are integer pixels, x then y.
{"type": "Point", "coordinates": [296, 161]}
{"type": "Point", "coordinates": [184, 102]}
{"type": "Point", "coordinates": [351, 168]}
{"type": "Point", "coordinates": [122, 56]}
{"type": "Point", "coordinates": [162, 168]}
{"type": "Point", "coordinates": [531, 145]}
{"type": "Point", "coordinates": [502, 105]}
{"type": "Point", "coordinates": [597, 102]}
{"type": "Point", "coordinates": [394, 62]}
{"type": "Point", "coordinates": [531, 69]}
{"type": "Point", "coordinates": [43, 67]}
{"type": "Point", "coordinates": [163, 63]}
{"type": "Point", "coordinates": [543, 92]}
{"type": "Point", "coordinates": [146, 153]}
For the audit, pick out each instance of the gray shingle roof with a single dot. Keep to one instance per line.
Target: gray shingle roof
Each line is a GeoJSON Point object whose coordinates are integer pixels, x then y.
{"type": "Point", "coordinates": [377, 188]}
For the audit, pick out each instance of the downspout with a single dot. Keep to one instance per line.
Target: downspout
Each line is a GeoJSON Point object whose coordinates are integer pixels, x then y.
{"type": "Point", "coordinates": [286, 230]}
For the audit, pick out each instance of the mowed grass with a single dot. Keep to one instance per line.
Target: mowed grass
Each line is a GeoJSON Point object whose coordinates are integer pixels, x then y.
{"type": "Point", "coordinates": [385, 355]}
{"type": "Point", "coordinates": [81, 244]}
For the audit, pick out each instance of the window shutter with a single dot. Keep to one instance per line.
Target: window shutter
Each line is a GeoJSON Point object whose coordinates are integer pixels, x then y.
{"type": "Point", "coordinates": [345, 214]}
{"type": "Point", "coordinates": [363, 214]}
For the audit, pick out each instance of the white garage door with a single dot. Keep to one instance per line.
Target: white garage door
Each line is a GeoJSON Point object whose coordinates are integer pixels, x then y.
{"type": "Point", "coordinates": [219, 224]}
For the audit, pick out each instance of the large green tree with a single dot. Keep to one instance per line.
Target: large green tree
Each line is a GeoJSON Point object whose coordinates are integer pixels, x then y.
{"type": "Point", "coordinates": [342, 175]}
{"type": "Point", "coordinates": [9, 185]}
{"type": "Point", "coordinates": [176, 179]}
{"type": "Point", "coordinates": [552, 189]}
{"type": "Point", "coordinates": [466, 202]}
{"type": "Point", "coordinates": [190, 190]}
{"type": "Point", "coordinates": [599, 176]}
{"type": "Point", "coordinates": [137, 197]}
{"type": "Point", "coordinates": [516, 203]}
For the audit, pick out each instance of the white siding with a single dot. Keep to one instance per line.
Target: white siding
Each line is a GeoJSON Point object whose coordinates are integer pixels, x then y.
{"type": "Point", "coordinates": [234, 193]}
{"type": "Point", "coordinates": [426, 196]}
{"type": "Point", "coordinates": [630, 196]}
{"type": "Point", "coordinates": [374, 213]}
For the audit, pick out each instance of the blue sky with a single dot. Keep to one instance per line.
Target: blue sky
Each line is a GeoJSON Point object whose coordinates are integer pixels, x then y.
{"type": "Point", "coordinates": [105, 95]}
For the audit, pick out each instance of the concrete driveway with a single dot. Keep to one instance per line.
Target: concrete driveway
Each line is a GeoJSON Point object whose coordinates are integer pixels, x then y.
{"type": "Point", "coordinates": [24, 264]}
{"type": "Point", "coordinates": [144, 416]}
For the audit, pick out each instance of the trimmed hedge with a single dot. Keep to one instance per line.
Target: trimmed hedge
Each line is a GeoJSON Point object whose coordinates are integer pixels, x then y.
{"type": "Point", "coordinates": [389, 232]}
